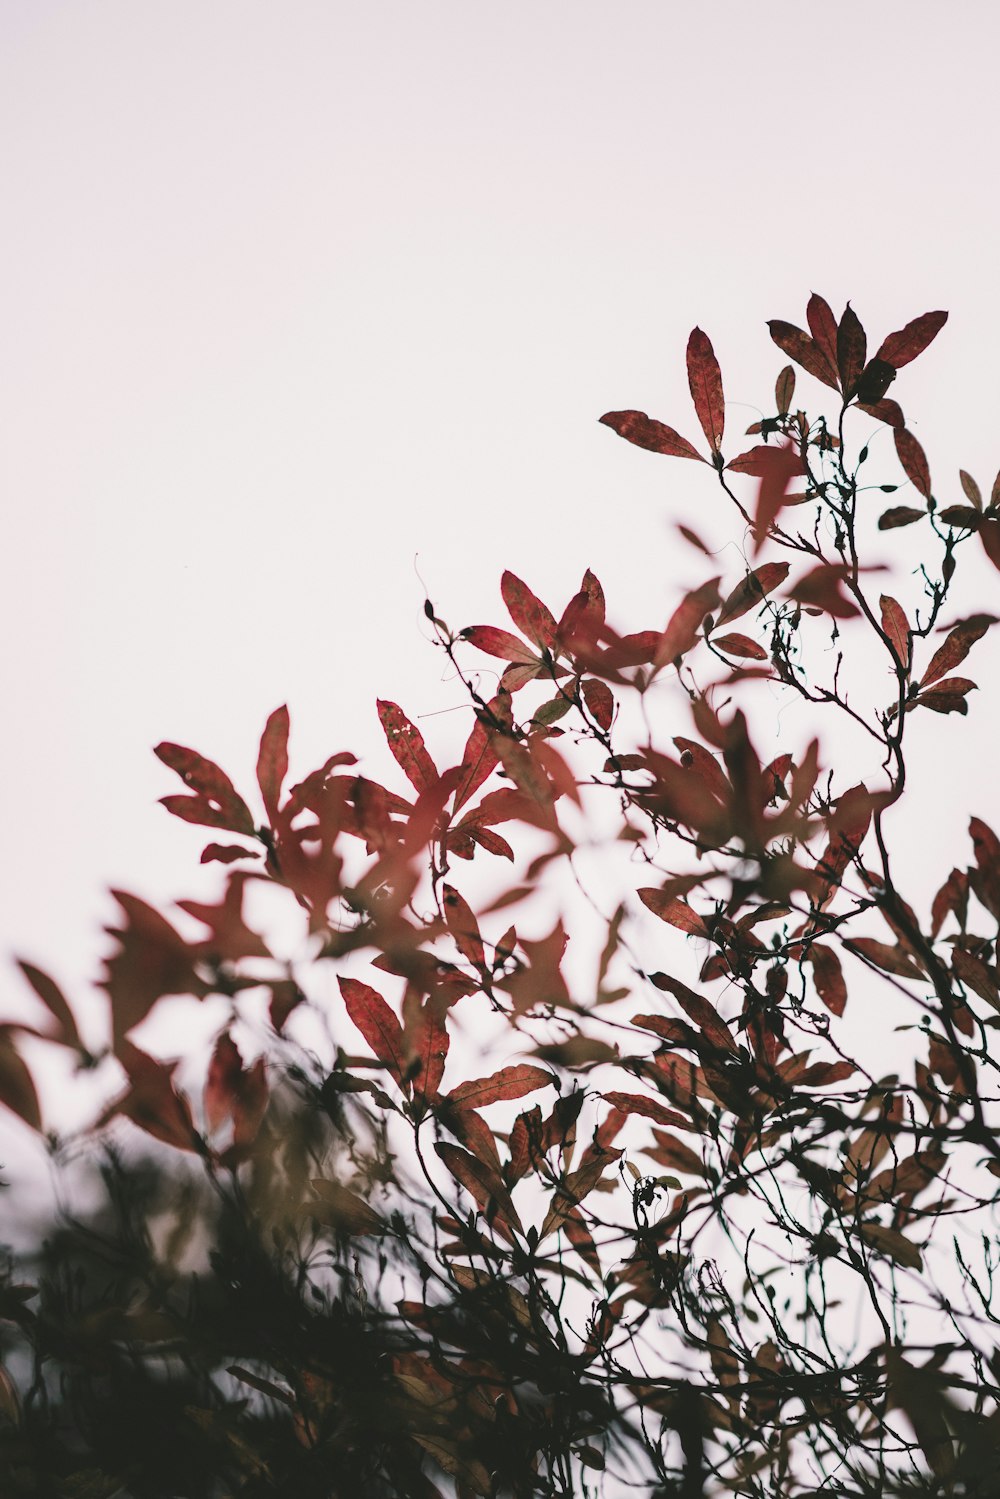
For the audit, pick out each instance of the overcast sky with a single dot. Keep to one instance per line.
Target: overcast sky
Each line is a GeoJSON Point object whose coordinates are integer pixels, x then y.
{"type": "Point", "coordinates": [309, 309]}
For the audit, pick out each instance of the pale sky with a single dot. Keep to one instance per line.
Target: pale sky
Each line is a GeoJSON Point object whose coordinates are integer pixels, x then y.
{"type": "Point", "coordinates": [305, 303]}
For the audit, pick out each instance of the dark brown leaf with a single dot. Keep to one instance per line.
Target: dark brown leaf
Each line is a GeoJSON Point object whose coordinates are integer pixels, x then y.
{"type": "Point", "coordinates": [851, 350]}
{"type": "Point", "coordinates": [899, 515]}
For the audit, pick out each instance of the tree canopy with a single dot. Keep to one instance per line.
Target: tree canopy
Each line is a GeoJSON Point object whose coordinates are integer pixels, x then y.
{"type": "Point", "coordinates": [624, 1119]}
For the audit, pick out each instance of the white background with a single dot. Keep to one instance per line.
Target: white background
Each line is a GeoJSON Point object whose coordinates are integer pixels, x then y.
{"type": "Point", "coordinates": [306, 303]}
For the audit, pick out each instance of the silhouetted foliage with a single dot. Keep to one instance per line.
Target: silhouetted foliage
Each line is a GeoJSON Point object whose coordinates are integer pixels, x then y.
{"type": "Point", "coordinates": [651, 1210]}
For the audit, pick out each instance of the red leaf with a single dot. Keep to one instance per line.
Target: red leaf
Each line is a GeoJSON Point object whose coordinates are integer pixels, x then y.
{"type": "Point", "coordinates": [890, 959]}
{"type": "Point", "coordinates": [152, 1102]}
{"type": "Point", "coordinates": [407, 745]}
{"type": "Point", "coordinates": [225, 853]}
{"type": "Point", "coordinates": [499, 643]}
{"type": "Point", "coordinates": [698, 1009]}
{"type": "Point", "coordinates": [822, 1074]}
{"type": "Point", "coordinates": [646, 432]}
{"type": "Point", "coordinates": [740, 645]}
{"type": "Point", "coordinates": [956, 647]}
{"type": "Point", "coordinates": [376, 1022]}
{"type": "Point", "coordinates": [677, 912]}
{"type": "Point", "coordinates": [911, 456]}
{"type": "Point", "coordinates": [804, 350]}
{"type": "Point", "coordinates": [251, 1105]}
{"type": "Point", "coordinates": [55, 1002]}
{"type": "Point", "coordinates": [822, 588]}
{"type": "Point", "coordinates": [686, 794]}
{"type": "Point", "coordinates": [899, 348]}
{"type": "Point", "coordinates": [153, 960]}
{"type": "Point", "coordinates": [989, 535]}
{"type": "Point", "coordinates": [778, 470]}
{"type": "Point", "coordinates": [852, 348]}
{"type": "Point", "coordinates": [231, 938]}
{"type": "Point", "coordinates": [463, 926]}
{"type": "Point", "coordinates": [17, 1088]}
{"type": "Point", "coordinates": [946, 696]}
{"type": "Point", "coordinates": [479, 758]}
{"type": "Point", "coordinates": [970, 489]}
{"type": "Point", "coordinates": [225, 1071]}
{"type": "Point", "coordinates": [599, 701]}
{"type": "Point", "coordinates": [754, 587]}
{"type": "Point", "coordinates": [649, 1108]}
{"type": "Point", "coordinates": [823, 327]}
{"type": "Point", "coordinates": [508, 1083]}
{"type": "Point", "coordinates": [985, 879]}
{"type": "Point", "coordinates": [757, 461]}
{"type": "Point", "coordinates": [696, 759]}
{"type": "Point", "coordinates": [529, 614]}
{"type": "Point", "coordinates": [848, 826]}
{"type": "Point", "coordinates": [828, 976]}
{"type": "Point", "coordinates": [784, 390]}
{"type": "Point", "coordinates": [974, 972]}
{"type": "Point", "coordinates": [899, 515]}
{"type": "Point", "coordinates": [705, 382]}
{"type": "Point", "coordinates": [897, 628]}
{"type": "Point", "coordinates": [272, 761]}
{"type": "Point", "coordinates": [885, 410]}
{"type": "Point", "coordinates": [952, 897]}
{"type": "Point", "coordinates": [685, 622]}
{"type": "Point", "coordinates": [211, 784]}
{"type": "Point", "coordinates": [481, 1182]}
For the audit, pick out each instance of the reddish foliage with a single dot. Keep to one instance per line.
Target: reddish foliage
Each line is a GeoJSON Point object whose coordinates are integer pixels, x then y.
{"type": "Point", "coordinates": [776, 889]}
